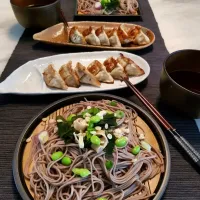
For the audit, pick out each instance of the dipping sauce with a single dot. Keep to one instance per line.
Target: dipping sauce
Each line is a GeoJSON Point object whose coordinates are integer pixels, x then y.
{"type": "Point", "coordinates": [187, 79]}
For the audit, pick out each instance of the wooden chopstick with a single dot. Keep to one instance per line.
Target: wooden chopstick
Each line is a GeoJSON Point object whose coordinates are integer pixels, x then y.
{"type": "Point", "coordinates": [189, 149]}
{"type": "Point", "coordinates": [63, 18]}
{"type": "Point", "coordinates": [149, 105]}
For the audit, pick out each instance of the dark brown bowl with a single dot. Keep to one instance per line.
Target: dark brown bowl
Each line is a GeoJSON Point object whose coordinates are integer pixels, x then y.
{"type": "Point", "coordinates": [44, 14]}
{"type": "Point", "coordinates": [179, 97]}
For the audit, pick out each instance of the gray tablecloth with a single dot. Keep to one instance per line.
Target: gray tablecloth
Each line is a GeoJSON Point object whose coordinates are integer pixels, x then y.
{"type": "Point", "coordinates": [16, 111]}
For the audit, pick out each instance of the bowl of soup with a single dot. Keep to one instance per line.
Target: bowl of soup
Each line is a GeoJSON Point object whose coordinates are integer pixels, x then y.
{"type": "Point", "coordinates": [38, 14]}
{"type": "Point", "coordinates": [180, 81]}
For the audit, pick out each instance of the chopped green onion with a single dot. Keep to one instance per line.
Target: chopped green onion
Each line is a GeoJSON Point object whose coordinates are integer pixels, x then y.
{"type": "Point", "coordinates": [119, 114]}
{"type": "Point", "coordinates": [95, 119]}
{"type": "Point", "coordinates": [109, 112]}
{"type": "Point", "coordinates": [69, 118]}
{"type": "Point", "coordinates": [113, 103]}
{"type": "Point", "coordinates": [95, 140]}
{"type": "Point", "coordinates": [109, 164]}
{"type": "Point", "coordinates": [135, 150]}
{"type": "Point", "coordinates": [145, 145]}
{"type": "Point", "coordinates": [102, 198]}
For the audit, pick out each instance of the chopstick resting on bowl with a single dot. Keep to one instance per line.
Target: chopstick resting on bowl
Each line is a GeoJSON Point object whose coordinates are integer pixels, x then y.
{"type": "Point", "coordinates": [189, 149]}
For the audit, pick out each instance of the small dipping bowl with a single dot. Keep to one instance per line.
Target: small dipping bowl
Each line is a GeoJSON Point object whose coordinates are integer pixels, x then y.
{"type": "Point", "coordinates": [38, 14]}
{"type": "Point", "coordinates": [180, 81]}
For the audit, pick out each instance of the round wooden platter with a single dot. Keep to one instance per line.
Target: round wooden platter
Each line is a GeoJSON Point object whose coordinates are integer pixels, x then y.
{"type": "Point", "coordinates": [149, 137]}
{"type": "Point", "coordinates": [57, 35]}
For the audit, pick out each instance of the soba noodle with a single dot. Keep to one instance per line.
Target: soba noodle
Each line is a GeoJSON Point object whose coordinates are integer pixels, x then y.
{"type": "Point", "coordinates": [52, 180]}
{"type": "Point", "coordinates": [125, 7]}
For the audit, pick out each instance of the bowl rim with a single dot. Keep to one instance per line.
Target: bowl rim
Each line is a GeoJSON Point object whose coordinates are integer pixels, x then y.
{"type": "Point", "coordinates": [164, 67]}
{"type": "Point", "coordinates": [32, 8]}
{"type": "Point", "coordinates": [162, 185]}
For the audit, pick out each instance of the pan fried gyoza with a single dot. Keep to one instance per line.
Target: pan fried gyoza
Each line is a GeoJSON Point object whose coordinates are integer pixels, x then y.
{"type": "Point", "coordinates": [113, 38]}
{"type": "Point", "coordinates": [123, 35]}
{"type": "Point", "coordinates": [85, 76]}
{"type": "Point", "coordinates": [99, 70]}
{"type": "Point", "coordinates": [131, 68]}
{"type": "Point", "coordinates": [90, 37]}
{"type": "Point", "coordinates": [138, 36]}
{"type": "Point", "coordinates": [53, 79]}
{"type": "Point", "coordinates": [101, 34]}
{"type": "Point", "coordinates": [96, 72]}
{"type": "Point", "coordinates": [114, 68]}
{"type": "Point", "coordinates": [76, 36]}
{"type": "Point", "coordinates": [68, 75]}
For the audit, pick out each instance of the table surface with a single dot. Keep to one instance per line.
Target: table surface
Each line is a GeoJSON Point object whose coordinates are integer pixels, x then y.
{"type": "Point", "coordinates": [16, 111]}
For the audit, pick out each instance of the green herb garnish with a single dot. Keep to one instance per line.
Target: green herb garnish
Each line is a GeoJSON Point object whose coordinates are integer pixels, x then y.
{"type": "Point", "coordinates": [110, 146]}
{"type": "Point", "coordinates": [92, 111]}
{"type": "Point", "coordinates": [65, 130]}
{"type": "Point", "coordinates": [109, 4]}
{"type": "Point", "coordinates": [113, 103]}
{"type": "Point", "coordinates": [109, 119]}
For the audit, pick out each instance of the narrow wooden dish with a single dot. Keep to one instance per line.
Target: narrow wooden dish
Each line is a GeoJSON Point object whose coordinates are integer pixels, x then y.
{"type": "Point", "coordinates": [154, 136]}
{"type": "Point", "coordinates": [57, 35]}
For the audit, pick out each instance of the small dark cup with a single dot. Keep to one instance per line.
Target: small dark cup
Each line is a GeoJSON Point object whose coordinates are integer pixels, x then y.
{"type": "Point", "coordinates": [38, 14]}
{"type": "Point", "coordinates": [179, 97]}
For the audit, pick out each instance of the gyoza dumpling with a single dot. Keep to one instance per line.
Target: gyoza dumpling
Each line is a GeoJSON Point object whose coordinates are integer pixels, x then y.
{"type": "Point", "coordinates": [113, 38]}
{"type": "Point", "coordinates": [123, 35]}
{"type": "Point", "coordinates": [131, 68]}
{"type": "Point", "coordinates": [138, 36]}
{"type": "Point", "coordinates": [101, 34]}
{"type": "Point", "coordinates": [68, 75]}
{"type": "Point", "coordinates": [76, 36]}
{"type": "Point", "coordinates": [90, 37]}
{"type": "Point", "coordinates": [114, 68]}
{"type": "Point", "coordinates": [53, 79]}
{"type": "Point", "coordinates": [85, 76]}
{"type": "Point", "coordinates": [98, 70]}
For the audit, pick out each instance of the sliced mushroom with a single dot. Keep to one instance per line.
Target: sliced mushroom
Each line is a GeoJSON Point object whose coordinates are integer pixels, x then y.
{"type": "Point", "coordinates": [104, 141]}
{"type": "Point", "coordinates": [80, 124]}
{"type": "Point", "coordinates": [79, 139]}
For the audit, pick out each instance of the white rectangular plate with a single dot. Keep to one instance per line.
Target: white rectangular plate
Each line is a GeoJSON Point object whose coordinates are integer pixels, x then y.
{"type": "Point", "coordinates": [28, 78]}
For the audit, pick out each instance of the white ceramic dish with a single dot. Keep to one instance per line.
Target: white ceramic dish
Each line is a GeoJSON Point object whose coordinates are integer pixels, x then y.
{"type": "Point", "coordinates": [28, 78]}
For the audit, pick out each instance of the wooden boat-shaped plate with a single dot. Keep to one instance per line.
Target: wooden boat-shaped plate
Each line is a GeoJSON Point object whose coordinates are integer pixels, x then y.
{"type": "Point", "coordinates": [57, 35]}
{"type": "Point", "coordinates": [153, 135]}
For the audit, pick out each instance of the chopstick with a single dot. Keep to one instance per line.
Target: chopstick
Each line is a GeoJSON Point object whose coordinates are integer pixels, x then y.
{"type": "Point", "coordinates": [189, 149]}
{"type": "Point", "coordinates": [63, 18]}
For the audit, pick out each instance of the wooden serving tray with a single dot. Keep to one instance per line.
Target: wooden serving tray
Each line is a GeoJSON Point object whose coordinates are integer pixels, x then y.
{"type": "Point", "coordinates": [57, 35]}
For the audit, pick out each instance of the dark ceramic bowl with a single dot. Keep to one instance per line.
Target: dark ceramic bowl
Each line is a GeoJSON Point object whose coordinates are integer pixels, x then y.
{"type": "Point", "coordinates": [38, 14]}
{"type": "Point", "coordinates": [180, 97]}
{"type": "Point", "coordinates": [158, 133]}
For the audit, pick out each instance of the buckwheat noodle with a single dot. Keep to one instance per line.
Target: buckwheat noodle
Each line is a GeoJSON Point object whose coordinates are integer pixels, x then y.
{"type": "Point", "coordinates": [51, 180]}
{"type": "Point", "coordinates": [125, 7]}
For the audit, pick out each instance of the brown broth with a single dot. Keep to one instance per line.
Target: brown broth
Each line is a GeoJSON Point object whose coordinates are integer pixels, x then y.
{"type": "Point", "coordinates": [187, 79]}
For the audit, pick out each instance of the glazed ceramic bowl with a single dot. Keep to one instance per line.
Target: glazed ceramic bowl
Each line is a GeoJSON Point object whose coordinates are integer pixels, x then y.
{"type": "Point", "coordinates": [180, 97]}
{"type": "Point", "coordinates": [38, 14]}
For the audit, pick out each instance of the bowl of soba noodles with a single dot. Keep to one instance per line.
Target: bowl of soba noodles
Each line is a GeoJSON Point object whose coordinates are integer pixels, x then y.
{"type": "Point", "coordinates": [92, 146]}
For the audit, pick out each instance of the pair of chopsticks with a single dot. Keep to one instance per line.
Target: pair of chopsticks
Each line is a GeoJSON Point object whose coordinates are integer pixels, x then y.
{"type": "Point", "coordinates": [189, 149]}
